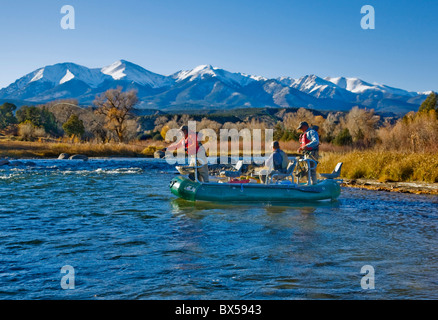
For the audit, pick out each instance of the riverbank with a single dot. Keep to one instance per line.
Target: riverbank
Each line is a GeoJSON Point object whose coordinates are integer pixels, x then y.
{"type": "Point", "coordinates": [400, 187]}
{"type": "Point", "coordinates": [16, 149]}
{"type": "Point", "coordinates": [373, 170]}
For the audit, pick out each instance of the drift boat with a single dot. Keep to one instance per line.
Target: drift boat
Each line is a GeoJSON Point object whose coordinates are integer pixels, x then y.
{"type": "Point", "coordinates": [233, 191]}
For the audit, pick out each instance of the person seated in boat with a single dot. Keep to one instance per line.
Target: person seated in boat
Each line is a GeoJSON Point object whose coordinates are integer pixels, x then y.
{"type": "Point", "coordinates": [195, 150]}
{"type": "Point", "coordinates": [309, 146]}
{"type": "Point", "coordinates": [277, 161]}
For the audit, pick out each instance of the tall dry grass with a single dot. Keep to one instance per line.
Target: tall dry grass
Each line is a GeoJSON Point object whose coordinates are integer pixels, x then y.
{"type": "Point", "coordinates": [383, 165]}
{"type": "Point", "coordinates": [52, 149]}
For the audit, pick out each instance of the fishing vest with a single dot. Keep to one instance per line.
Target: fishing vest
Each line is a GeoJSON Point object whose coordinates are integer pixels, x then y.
{"type": "Point", "coordinates": [190, 142]}
{"type": "Point", "coordinates": [304, 141]}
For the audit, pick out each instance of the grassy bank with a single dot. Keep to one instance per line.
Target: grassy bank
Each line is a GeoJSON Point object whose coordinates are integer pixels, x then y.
{"type": "Point", "coordinates": [26, 149]}
{"type": "Point", "coordinates": [384, 166]}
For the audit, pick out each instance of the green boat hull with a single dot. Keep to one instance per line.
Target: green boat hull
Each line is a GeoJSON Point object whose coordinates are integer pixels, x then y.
{"type": "Point", "coordinates": [248, 192]}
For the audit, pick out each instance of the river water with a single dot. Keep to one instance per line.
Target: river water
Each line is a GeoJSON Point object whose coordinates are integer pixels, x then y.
{"type": "Point", "coordinates": [115, 222]}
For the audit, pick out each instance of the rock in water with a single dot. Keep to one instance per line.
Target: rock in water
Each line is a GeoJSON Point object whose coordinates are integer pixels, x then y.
{"type": "Point", "coordinates": [159, 154]}
{"type": "Point", "coordinates": [16, 163]}
{"type": "Point", "coordinates": [4, 162]}
{"type": "Point", "coordinates": [64, 156]}
{"type": "Point", "coordinates": [79, 157]}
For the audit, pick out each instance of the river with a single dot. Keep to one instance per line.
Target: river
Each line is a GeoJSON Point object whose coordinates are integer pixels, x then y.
{"type": "Point", "coordinates": [115, 222]}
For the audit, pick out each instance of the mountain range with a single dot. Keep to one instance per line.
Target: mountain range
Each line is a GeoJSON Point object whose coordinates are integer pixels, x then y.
{"type": "Point", "coordinates": [206, 87]}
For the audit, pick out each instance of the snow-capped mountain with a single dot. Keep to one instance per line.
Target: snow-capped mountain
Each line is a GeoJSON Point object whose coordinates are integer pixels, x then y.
{"type": "Point", "coordinates": [68, 80]}
{"type": "Point", "coordinates": [204, 71]}
{"type": "Point", "coordinates": [356, 85]}
{"type": "Point", "coordinates": [127, 71]}
{"type": "Point", "coordinates": [207, 87]}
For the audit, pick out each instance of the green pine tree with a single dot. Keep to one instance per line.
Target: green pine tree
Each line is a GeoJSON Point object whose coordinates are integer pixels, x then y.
{"type": "Point", "coordinates": [74, 126]}
{"type": "Point", "coordinates": [431, 103]}
{"type": "Point", "coordinates": [38, 117]}
{"type": "Point", "coordinates": [7, 117]}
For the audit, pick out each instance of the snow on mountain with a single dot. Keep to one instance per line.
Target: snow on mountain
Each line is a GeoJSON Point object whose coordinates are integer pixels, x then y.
{"type": "Point", "coordinates": [125, 70]}
{"type": "Point", "coordinates": [208, 87]}
{"type": "Point", "coordinates": [356, 85]}
{"type": "Point", "coordinates": [64, 72]}
{"type": "Point", "coordinates": [120, 70]}
{"type": "Point", "coordinates": [350, 84]}
{"type": "Point", "coordinates": [206, 71]}
{"type": "Point", "coordinates": [321, 88]}
{"type": "Point", "coordinates": [285, 81]}
{"type": "Point", "coordinates": [310, 84]}
{"type": "Point", "coordinates": [68, 76]}
{"type": "Point", "coordinates": [38, 75]}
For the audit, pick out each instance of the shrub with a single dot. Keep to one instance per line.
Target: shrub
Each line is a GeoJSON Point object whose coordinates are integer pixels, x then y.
{"type": "Point", "coordinates": [344, 138]}
{"type": "Point", "coordinates": [157, 137]}
{"type": "Point", "coordinates": [29, 132]}
{"type": "Point", "coordinates": [74, 126]}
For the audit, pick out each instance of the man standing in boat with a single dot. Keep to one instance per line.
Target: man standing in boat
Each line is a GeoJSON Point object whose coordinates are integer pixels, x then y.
{"type": "Point", "coordinates": [309, 146]}
{"type": "Point", "coordinates": [194, 150]}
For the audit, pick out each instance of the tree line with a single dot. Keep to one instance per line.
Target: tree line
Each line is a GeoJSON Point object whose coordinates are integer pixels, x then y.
{"type": "Point", "coordinates": [111, 118]}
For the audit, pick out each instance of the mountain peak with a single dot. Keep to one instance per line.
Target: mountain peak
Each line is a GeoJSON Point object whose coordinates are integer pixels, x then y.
{"type": "Point", "coordinates": [208, 86]}
{"type": "Point", "coordinates": [128, 71]}
{"type": "Point", "coordinates": [205, 71]}
{"type": "Point", "coordinates": [198, 72]}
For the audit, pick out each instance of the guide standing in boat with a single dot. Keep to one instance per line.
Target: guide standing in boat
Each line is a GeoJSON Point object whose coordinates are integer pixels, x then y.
{"type": "Point", "coordinates": [309, 146]}
{"type": "Point", "coordinates": [194, 150]}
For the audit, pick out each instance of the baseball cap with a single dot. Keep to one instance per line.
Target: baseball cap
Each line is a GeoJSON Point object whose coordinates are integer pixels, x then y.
{"type": "Point", "coordinates": [303, 123]}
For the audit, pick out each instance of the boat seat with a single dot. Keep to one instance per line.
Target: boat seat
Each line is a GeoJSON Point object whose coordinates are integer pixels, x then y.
{"type": "Point", "coordinates": [335, 174]}
{"type": "Point", "coordinates": [289, 172]}
{"type": "Point", "coordinates": [234, 173]}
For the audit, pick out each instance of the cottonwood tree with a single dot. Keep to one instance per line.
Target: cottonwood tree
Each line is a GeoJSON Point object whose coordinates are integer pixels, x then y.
{"type": "Point", "coordinates": [292, 120]}
{"type": "Point", "coordinates": [117, 108]}
{"type": "Point", "coordinates": [362, 125]}
{"type": "Point", "coordinates": [329, 126]}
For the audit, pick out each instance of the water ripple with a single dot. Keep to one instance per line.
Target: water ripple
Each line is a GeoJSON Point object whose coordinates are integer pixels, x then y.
{"type": "Point", "coordinates": [116, 223]}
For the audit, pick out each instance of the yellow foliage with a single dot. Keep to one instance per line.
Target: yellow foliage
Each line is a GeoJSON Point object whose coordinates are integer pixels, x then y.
{"type": "Point", "coordinates": [383, 165]}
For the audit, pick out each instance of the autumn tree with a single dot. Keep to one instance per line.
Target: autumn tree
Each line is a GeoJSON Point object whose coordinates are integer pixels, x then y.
{"type": "Point", "coordinates": [117, 108]}
{"type": "Point", "coordinates": [330, 125]}
{"type": "Point", "coordinates": [362, 125]}
{"type": "Point", "coordinates": [292, 120]}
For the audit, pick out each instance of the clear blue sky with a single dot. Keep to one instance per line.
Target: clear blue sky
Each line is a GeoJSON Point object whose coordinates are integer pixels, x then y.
{"type": "Point", "coordinates": [270, 38]}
